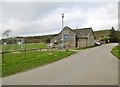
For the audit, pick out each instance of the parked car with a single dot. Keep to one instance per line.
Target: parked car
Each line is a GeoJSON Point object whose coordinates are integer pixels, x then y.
{"type": "Point", "coordinates": [98, 43]}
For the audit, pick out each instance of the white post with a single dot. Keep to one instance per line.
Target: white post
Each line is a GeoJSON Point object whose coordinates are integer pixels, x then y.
{"type": "Point", "coordinates": [62, 32]}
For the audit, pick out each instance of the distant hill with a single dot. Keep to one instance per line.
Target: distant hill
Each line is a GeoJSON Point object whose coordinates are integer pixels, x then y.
{"type": "Point", "coordinates": [101, 34]}
{"type": "Point", "coordinates": [38, 39]}
{"type": "Point", "coordinates": [46, 38]}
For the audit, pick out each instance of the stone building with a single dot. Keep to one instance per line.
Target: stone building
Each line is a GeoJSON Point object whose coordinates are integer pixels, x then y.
{"type": "Point", "coordinates": [75, 37]}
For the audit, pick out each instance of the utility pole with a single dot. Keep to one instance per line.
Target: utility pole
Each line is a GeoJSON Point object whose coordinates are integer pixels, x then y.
{"type": "Point", "coordinates": [62, 32]}
{"type": "Point", "coordinates": [25, 47]}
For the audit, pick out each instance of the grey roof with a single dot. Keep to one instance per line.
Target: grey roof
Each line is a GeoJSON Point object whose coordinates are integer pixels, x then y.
{"type": "Point", "coordinates": [66, 27]}
{"type": "Point", "coordinates": [82, 32]}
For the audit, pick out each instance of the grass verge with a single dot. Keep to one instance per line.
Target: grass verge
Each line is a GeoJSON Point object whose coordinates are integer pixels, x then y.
{"type": "Point", "coordinates": [16, 62]}
{"type": "Point", "coordinates": [83, 48]}
{"type": "Point", "coordinates": [116, 51]}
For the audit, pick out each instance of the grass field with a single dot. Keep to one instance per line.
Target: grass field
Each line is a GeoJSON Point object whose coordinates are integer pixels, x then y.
{"type": "Point", "coordinates": [14, 47]}
{"type": "Point", "coordinates": [16, 62]}
{"type": "Point", "coordinates": [0, 65]}
{"type": "Point", "coordinates": [116, 51]}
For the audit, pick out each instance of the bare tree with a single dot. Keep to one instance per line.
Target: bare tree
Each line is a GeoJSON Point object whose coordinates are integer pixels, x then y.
{"type": "Point", "coordinates": [6, 33]}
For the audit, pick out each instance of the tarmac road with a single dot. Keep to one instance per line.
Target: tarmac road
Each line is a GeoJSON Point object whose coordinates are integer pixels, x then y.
{"type": "Point", "coordinates": [93, 66]}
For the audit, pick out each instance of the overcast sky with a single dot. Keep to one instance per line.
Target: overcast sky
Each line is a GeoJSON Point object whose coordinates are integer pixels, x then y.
{"type": "Point", "coordinates": [42, 18]}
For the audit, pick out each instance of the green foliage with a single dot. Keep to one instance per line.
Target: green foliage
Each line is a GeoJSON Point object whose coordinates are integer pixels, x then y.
{"type": "Point", "coordinates": [114, 35]}
{"type": "Point", "coordinates": [39, 39]}
{"type": "Point", "coordinates": [16, 62]}
{"type": "Point", "coordinates": [101, 34]}
{"type": "Point", "coordinates": [116, 51]}
{"type": "Point", "coordinates": [47, 40]}
{"type": "Point", "coordinates": [105, 35]}
{"type": "Point", "coordinates": [106, 40]}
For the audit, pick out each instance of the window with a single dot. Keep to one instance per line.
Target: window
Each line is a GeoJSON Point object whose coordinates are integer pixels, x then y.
{"type": "Point", "coordinates": [66, 36]}
{"type": "Point", "coordinates": [66, 32]}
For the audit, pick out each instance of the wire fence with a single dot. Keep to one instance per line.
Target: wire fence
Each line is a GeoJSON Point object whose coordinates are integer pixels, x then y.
{"type": "Point", "coordinates": [12, 48]}
{"type": "Point", "coordinates": [26, 51]}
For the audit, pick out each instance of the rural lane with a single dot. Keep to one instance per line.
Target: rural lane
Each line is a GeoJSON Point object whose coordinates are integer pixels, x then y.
{"type": "Point", "coordinates": [93, 66]}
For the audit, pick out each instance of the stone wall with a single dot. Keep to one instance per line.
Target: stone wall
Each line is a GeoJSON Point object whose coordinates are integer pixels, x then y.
{"type": "Point", "coordinates": [81, 43]}
{"type": "Point", "coordinates": [90, 40]}
{"type": "Point", "coordinates": [69, 38]}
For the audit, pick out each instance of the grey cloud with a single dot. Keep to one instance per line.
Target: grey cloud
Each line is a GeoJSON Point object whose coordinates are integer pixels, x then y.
{"type": "Point", "coordinates": [77, 14]}
{"type": "Point", "coordinates": [34, 10]}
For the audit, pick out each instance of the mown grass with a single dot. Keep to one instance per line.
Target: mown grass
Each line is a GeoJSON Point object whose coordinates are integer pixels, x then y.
{"type": "Point", "coordinates": [116, 51]}
{"type": "Point", "coordinates": [83, 48]}
{"type": "Point", "coordinates": [15, 47]}
{"type": "Point", "coordinates": [16, 62]}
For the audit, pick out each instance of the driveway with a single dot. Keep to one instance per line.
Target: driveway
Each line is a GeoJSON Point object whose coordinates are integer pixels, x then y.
{"type": "Point", "coordinates": [93, 66]}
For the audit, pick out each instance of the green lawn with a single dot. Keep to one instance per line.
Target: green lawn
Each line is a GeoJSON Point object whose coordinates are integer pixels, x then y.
{"type": "Point", "coordinates": [0, 65]}
{"type": "Point", "coordinates": [16, 62]}
{"type": "Point", "coordinates": [116, 51]}
{"type": "Point", "coordinates": [14, 47]}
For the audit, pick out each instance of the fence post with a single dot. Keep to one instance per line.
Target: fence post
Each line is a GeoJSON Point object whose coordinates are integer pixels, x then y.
{"type": "Point", "coordinates": [25, 51]}
{"type": "Point", "coordinates": [3, 57]}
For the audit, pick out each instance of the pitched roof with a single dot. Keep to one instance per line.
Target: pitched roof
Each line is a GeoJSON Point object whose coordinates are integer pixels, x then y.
{"type": "Point", "coordinates": [66, 27]}
{"type": "Point", "coordinates": [83, 32]}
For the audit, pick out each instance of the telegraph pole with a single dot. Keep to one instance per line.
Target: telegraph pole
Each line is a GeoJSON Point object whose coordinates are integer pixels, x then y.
{"type": "Point", "coordinates": [25, 47]}
{"type": "Point", "coordinates": [62, 32]}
